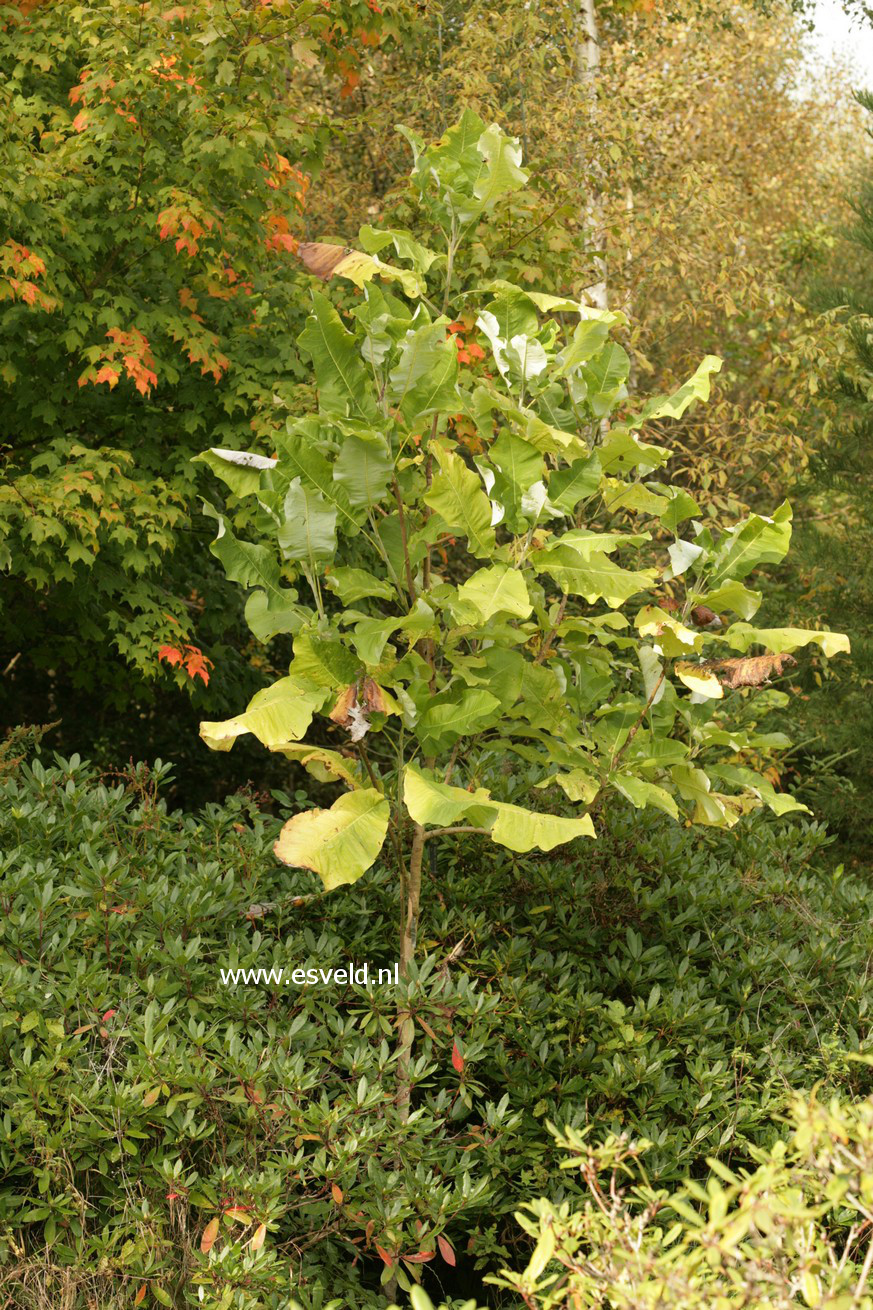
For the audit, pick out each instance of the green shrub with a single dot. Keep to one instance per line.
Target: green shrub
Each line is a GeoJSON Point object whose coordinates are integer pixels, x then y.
{"type": "Point", "coordinates": [672, 987]}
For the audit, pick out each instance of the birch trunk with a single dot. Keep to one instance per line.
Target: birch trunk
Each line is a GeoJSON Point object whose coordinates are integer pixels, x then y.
{"type": "Point", "coordinates": [587, 41]}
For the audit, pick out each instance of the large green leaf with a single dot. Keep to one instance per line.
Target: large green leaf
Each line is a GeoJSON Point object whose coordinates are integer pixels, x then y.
{"type": "Point", "coordinates": [501, 172]}
{"type": "Point", "coordinates": [376, 239]}
{"type": "Point", "coordinates": [279, 714]}
{"type": "Point", "coordinates": [740, 636]}
{"type": "Point", "coordinates": [344, 386]}
{"type": "Point", "coordinates": [570, 485]}
{"type": "Point", "coordinates": [437, 804]}
{"type": "Point", "coordinates": [595, 577]}
{"type": "Point", "coordinates": [352, 584]}
{"type": "Point", "coordinates": [605, 375]}
{"type": "Point", "coordinates": [457, 497]}
{"type": "Point", "coordinates": [321, 659]}
{"type": "Point", "coordinates": [641, 793]}
{"type": "Point", "coordinates": [495, 590]}
{"type": "Point", "coordinates": [272, 608]}
{"type": "Point", "coordinates": [757, 540]}
{"type": "Point", "coordinates": [710, 808]}
{"type": "Point", "coordinates": [250, 565]}
{"type": "Point", "coordinates": [424, 379]}
{"type": "Point", "coordinates": [777, 801]}
{"type": "Point", "coordinates": [459, 715]}
{"type": "Point", "coordinates": [339, 844]}
{"type": "Point", "coordinates": [526, 830]}
{"type": "Point", "coordinates": [308, 530]}
{"type": "Point", "coordinates": [434, 803]}
{"type": "Point", "coordinates": [363, 470]}
{"type": "Point", "coordinates": [299, 457]}
{"type": "Point", "coordinates": [731, 596]}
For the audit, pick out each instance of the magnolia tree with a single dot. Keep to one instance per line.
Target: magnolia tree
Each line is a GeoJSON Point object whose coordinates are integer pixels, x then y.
{"type": "Point", "coordinates": [485, 571]}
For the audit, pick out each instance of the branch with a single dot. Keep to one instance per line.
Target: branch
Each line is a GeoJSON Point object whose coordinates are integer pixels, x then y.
{"type": "Point", "coordinates": [445, 832]}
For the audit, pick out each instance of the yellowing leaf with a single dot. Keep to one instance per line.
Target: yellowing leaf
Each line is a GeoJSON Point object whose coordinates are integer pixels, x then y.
{"type": "Point", "coordinates": [699, 680]}
{"type": "Point", "coordinates": [277, 715]}
{"type": "Point", "coordinates": [258, 1237]}
{"type": "Point", "coordinates": [338, 844]}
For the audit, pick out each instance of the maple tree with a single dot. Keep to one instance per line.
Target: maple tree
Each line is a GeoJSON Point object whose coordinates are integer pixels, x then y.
{"type": "Point", "coordinates": [155, 177]}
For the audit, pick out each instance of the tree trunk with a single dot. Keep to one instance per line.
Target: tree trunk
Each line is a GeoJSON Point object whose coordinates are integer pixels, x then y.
{"type": "Point", "coordinates": [587, 42]}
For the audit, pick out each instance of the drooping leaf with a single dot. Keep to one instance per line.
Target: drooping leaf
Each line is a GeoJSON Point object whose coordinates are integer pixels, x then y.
{"type": "Point", "coordinates": [740, 636]}
{"type": "Point", "coordinates": [308, 530]}
{"type": "Point", "coordinates": [239, 469]}
{"type": "Point", "coordinates": [339, 844]}
{"type": "Point", "coordinates": [424, 379]}
{"type": "Point", "coordinates": [344, 386]}
{"type": "Point", "coordinates": [696, 388]}
{"type": "Point", "coordinates": [280, 713]}
{"type": "Point", "coordinates": [323, 764]}
{"type": "Point", "coordinates": [364, 469]}
{"type": "Point", "coordinates": [352, 584]}
{"type": "Point", "coordinates": [748, 671]}
{"type": "Point", "coordinates": [273, 608]}
{"type": "Point", "coordinates": [642, 793]}
{"type": "Point", "coordinates": [376, 239]}
{"type": "Point", "coordinates": [457, 497]}
{"type": "Point", "coordinates": [327, 261]}
{"type": "Point", "coordinates": [525, 830]}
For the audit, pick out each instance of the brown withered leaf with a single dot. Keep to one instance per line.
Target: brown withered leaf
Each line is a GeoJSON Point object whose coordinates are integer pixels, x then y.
{"type": "Point", "coordinates": [345, 701]}
{"type": "Point", "coordinates": [748, 670]}
{"type": "Point", "coordinates": [703, 617]}
{"type": "Point", "coordinates": [321, 258]}
{"type": "Point", "coordinates": [356, 704]}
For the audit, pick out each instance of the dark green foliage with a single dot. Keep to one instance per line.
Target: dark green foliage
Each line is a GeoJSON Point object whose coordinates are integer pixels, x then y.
{"type": "Point", "coordinates": [830, 576]}
{"type": "Point", "coordinates": [672, 985]}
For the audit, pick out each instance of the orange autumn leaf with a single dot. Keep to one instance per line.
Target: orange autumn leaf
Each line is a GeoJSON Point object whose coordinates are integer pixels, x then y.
{"type": "Point", "coordinates": [210, 1232]}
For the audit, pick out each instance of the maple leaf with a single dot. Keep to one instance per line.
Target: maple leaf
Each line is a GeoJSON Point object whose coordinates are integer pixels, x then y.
{"type": "Point", "coordinates": [171, 654]}
{"type": "Point", "coordinates": [80, 122]}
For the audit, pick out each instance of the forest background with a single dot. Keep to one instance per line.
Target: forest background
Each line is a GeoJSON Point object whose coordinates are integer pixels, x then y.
{"type": "Point", "coordinates": [161, 165]}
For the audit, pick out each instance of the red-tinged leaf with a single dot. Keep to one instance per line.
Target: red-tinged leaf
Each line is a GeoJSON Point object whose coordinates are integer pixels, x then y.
{"type": "Point", "coordinates": [170, 654]}
{"type": "Point", "coordinates": [210, 1232]}
{"type": "Point", "coordinates": [107, 1015]}
{"type": "Point", "coordinates": [258, 1237]}
{"type": "Point", "coordinates": [445, 1250]}
{"type": "Point", "coordinates": [140, 1295]}
{"type": "Point", "coordinates": [151, 1097]}
{"type": "Point", "coordinates": [174, 1196]}
{"type": "Point", "coordinates": [337, 1193]}
{"type": "Point", "coordinates": [384, 1255]}
{"type": "Point", "coordinates": [238, 1214]}
{"type": "Point", "coordinates": [368, 1231]}
{"type": "Point", "coordinates": [457, 1058]}
{"type": "Point", "coordinates": [421, 1258]}
{"type": "Point", "coordinates": [83, 1028]}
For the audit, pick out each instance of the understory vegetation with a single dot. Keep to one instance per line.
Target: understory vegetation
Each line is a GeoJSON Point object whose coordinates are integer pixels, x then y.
{"type": "Point", "coordinates": [665, 988]}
